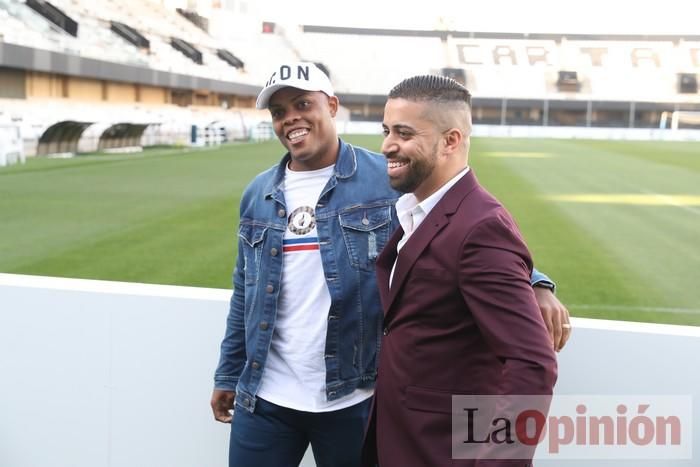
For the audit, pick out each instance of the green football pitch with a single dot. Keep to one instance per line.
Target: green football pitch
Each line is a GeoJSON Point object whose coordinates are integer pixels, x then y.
{"type": "Point", "coordinates": [616, 224]}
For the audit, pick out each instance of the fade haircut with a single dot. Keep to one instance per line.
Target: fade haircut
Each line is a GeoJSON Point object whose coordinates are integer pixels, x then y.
{"type": "Point", "coordinates": [440, 89]}
{"type": "Point", "coordinates": [449, 103]}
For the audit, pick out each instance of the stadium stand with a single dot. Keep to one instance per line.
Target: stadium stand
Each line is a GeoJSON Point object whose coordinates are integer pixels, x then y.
{"type": "Point", "coordinates": [179, 76]}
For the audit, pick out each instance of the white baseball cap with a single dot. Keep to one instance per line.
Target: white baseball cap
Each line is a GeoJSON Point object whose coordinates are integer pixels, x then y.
{"type": "Point", "coordinates": [301, 75]}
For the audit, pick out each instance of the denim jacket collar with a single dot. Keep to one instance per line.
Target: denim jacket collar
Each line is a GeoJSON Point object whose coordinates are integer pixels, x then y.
{"type": "Point", "coordinates": [345, 167]}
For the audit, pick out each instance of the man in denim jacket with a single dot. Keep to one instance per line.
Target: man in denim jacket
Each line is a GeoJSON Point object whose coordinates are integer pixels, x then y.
{"type": "Point", "coordinates": [299, 357]}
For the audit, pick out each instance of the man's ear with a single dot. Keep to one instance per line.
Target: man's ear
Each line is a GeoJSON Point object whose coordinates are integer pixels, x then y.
{"type": "Point", "coordinates": [333, 104]}
{"type": "Point", "coordinates": [452, 140]}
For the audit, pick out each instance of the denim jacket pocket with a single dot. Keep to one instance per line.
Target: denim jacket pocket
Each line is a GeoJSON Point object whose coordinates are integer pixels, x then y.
{"type": "Point", "coordinates": [251, 236]}
{"type": "Point", "coordinates": [365, 230]}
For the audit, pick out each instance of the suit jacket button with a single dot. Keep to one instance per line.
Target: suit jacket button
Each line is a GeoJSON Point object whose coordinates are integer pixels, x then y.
{"type": "Point", "coordinates": [386, 331]}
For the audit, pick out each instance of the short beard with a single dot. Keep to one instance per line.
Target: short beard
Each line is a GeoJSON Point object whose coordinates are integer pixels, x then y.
{"type": "Point", "coordinates": [415, 177]}
{"type": "Point", "coordinates": [418, 171]}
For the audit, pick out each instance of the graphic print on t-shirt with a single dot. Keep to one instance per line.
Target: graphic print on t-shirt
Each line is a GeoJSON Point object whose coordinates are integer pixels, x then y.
{"type": "Point", "coordinates": [294, 375]}
{"type": "Point", "coordinates": [300, 222]}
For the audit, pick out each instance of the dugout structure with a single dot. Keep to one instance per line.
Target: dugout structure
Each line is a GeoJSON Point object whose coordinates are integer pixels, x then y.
{"type": "Point", "coordinates": [65, 137]}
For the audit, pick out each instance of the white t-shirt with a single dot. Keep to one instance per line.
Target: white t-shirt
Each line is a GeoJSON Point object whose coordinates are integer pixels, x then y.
{"type": "Point", "coordinates": [295, 371]}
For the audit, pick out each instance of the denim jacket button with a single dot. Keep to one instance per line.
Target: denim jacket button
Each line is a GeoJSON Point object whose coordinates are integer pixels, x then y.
{"type": "Point", "coordinates": [281, 213]}
{"type": "Point", "coordinates": [255, 365]}
{"type": "Point", "coordinates": [264, 326]}
{"type": "Point", "coordinates": [246, 402]}
{"type": "Point", "coordinates": [269, 288]}
{"type": "Point", "coordinates": [273, 252]}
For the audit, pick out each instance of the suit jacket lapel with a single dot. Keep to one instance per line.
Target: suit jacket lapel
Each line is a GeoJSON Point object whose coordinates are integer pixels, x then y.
{"type": "Point", "coordinates": [413, 248]}
{"type": "Point", "coordinates": [436, 220]}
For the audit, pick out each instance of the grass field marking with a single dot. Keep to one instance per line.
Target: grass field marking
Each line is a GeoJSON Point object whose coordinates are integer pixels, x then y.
{"type": "Point", "coordinates": [673, 201]}
{"type": "Point", "coordinates": [518, 154]}
{"type": "Point", "coordinates": [114, 287]}
{"type": "Point", "coordinates": [648, 198]}
{"type": "Point", "coordinates": [643, 309]}
{"type": "Point", "coordinates": [685, 202]}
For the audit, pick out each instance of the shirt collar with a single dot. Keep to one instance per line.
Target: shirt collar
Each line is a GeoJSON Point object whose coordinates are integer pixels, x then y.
{"type": "Point", "coordinates": [345, 167]}
{"type": "Point", "coordinates": [409, 202]}
{"type": "Point", "coordinates": [411, 213]}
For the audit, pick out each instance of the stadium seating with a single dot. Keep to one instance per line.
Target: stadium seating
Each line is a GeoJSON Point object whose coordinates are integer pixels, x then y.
{"type": "Point", "coordinates": [370, 64]}
{"type": "Point", "coordinates": [219, 63]}
{"type": "Point", "coordinates": [362, 61]}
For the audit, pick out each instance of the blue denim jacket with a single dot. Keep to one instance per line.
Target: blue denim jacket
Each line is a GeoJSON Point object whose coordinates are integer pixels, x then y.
{"type": "Point", "coordinates": [355, 217]}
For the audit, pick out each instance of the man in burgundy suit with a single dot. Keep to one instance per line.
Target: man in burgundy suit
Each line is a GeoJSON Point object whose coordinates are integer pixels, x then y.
{"type": "Point", "coordinates": [460, 316]}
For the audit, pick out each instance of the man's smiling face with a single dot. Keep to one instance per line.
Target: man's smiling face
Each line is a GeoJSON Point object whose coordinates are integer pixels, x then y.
{"type": "Point", "coordinates": [303, 122]}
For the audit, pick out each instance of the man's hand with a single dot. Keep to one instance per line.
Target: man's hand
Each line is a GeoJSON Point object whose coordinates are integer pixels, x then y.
{"type": "Point", "coordinates": [556, 317]}
{"type": "Point", "coordinates": [222, 404]}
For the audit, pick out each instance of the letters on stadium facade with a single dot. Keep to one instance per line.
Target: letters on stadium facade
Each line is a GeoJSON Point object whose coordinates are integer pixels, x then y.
{"type": "Point", "coordinates": [660, 54]}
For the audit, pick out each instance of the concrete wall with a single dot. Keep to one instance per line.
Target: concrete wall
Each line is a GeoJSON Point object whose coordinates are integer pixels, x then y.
{"type": "Point", "coordinates": [108, 374]}
{"type": "Point", "coordinates": [26, 58]}
{"type": "Point", "coordinates": [13, 83]}
{"type": "Point", "coordinates": [40, 85]}
{"type": "Point", "coordinates": [84, 89]}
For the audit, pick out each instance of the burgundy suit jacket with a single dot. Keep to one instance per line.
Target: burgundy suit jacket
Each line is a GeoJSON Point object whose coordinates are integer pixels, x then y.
{"type": "Point", "coordinates": [460, 318]}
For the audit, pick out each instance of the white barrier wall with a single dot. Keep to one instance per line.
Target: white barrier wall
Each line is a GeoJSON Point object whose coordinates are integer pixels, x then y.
{"type": "Point", "coordinates": [108, 374]}
{"type": "Point", "coordinates": [575, 132]}
{"type": "Point", "coordinates": [532, 131]}
{"type": "Point", "coordinates": [99, 374]}
{"type": "Point", "coordinates": [625, 359]}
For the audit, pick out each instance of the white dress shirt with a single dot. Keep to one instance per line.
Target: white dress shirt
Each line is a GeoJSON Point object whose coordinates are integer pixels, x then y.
{"type": "Point", "coordinates": [411, 212]}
